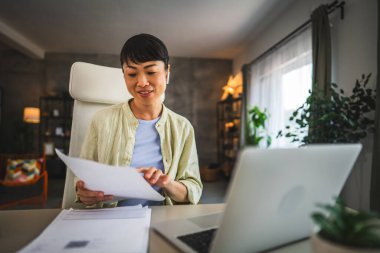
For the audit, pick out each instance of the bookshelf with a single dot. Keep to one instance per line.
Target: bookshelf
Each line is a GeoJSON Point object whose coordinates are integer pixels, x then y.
{"type": "Point", "coordinates": [228, 127]}
{"type": "Point", "coordinates": [54, 131]}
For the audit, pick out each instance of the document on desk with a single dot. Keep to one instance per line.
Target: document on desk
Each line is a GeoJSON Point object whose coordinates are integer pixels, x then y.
{"type": "Point", "coordinates": [121, 182]}
{"type": "Point", "coordinates": [120, 229]}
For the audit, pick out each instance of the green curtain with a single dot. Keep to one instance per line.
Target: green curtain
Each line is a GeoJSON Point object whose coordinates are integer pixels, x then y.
{"type": "Point", "coordinates": [321, 44]}
{"type": "Point", "coordinates": [375, 177]}
{"type": "Point", "coordinates": [243, 120]}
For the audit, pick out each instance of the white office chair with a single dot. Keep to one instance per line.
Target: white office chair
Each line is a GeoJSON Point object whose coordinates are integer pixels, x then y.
{"type": "Point", "coordinates": [92, 87]}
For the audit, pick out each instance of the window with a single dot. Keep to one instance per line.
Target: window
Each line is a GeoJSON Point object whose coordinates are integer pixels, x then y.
{"type": "Point", "coordinates": [280, 82]}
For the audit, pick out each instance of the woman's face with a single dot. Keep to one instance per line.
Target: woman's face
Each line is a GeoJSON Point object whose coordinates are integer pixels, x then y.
{"type": "Point", "coordinates": [146, 82]}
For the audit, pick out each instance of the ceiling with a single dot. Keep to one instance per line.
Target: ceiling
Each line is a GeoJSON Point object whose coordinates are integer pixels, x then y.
{"type": "Point", "coordinates": [192, 28]}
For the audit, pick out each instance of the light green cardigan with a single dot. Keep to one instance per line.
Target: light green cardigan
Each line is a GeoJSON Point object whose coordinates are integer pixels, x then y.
{"type": "Point", "coordinates": [110, 139]}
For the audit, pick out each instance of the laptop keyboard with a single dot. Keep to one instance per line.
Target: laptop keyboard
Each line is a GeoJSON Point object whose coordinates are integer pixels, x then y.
{"type": "Point", "coordinates": [200, 242]}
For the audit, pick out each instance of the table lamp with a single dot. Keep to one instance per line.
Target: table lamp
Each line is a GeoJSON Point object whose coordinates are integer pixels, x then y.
{"type": "Point", "coordinates": [233, 88]}
{"type": "Point", "coordinates": [32, 115]}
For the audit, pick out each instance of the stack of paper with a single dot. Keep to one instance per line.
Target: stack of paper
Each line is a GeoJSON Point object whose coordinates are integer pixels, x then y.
{"type": "Point", "coordinates": [121, 229]}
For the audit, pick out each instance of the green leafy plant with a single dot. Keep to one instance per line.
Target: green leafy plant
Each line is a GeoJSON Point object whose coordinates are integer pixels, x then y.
{"type": "Point", "coordinates": [256, 132]}
{"type": "Point", "coordinates": [345, 226]}
{"type": "Point", "coordinates": [341, 119]}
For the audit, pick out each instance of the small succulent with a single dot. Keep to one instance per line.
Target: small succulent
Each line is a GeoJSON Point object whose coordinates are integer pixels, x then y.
{"type": "Point", "coordinates": [348, 227]}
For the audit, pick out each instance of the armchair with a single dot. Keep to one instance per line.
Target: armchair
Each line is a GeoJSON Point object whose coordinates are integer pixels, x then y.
{"type": "Point", "coordinates": [30, 192]}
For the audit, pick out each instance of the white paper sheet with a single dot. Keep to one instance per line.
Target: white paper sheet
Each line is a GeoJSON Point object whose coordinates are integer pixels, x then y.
{"type": "Point", "coordinates": [121, 182]}
{"type": "Point", "coordinates": [127, 212]}
{"type": "Point", "coordinates": [107, 234]}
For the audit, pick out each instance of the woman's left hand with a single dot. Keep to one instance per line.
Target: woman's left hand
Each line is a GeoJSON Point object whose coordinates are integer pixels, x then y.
{"type": "Point", "coordinates": [155, 176]}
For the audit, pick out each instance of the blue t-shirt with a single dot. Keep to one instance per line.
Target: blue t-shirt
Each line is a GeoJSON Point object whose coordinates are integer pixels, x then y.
{"type": "Point", "coordinates": [146, 153]}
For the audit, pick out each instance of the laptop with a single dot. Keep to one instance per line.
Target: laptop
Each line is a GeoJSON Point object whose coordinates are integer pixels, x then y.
{"type": "Point", "coordinates": [269, 201]}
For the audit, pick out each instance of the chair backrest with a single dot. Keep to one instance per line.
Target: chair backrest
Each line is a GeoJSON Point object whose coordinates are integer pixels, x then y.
{"type": "Point", "coordinates": [92, 87]}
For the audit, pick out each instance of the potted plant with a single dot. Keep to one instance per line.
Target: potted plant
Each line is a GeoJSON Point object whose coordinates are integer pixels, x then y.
{"type": "Point", "coordinates": [342, 230]}
{"type": "Point", "coordinates": [339, 119]}
{"type": "Point", "coordinates": [256, 133]}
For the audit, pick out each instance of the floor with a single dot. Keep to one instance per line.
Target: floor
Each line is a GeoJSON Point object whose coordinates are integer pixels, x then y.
{"type": "Point", "coordinates": [213, 192]}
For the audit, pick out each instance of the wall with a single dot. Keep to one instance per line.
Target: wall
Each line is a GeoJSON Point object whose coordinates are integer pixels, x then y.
{"type": "Point", "coordinates": [21, 80]}
{"type": "Point", "coordinates": [354, 53]}
{"type": "Point", "coordinates": [194, 89]}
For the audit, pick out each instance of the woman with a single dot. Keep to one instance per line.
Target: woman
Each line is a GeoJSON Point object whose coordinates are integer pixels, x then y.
{"type": "Point", "coordinates": [143, 133]}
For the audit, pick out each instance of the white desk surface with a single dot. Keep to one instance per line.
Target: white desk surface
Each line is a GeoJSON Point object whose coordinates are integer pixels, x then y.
{"type": "Point", "coordinates": [19, 227]}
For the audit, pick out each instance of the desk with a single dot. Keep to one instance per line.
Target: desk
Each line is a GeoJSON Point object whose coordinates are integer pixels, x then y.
{"type": "Point", "coordinates": [19, 227]}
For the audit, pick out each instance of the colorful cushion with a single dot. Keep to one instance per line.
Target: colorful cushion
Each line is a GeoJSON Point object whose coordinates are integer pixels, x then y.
{"type": "Point", "coordinates": [20, 170]}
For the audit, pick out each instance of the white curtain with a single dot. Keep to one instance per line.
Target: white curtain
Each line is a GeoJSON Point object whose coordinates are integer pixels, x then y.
{"type": "Point", "coordinates": [280, 82]}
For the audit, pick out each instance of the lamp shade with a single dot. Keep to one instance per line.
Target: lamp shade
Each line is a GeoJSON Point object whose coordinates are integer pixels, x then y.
{"type": "Point", "coordinates": [32, 115]}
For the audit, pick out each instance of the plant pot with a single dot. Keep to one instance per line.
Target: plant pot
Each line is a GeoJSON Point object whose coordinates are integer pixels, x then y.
{"type": "Point", "coordinates": [209, 175]}
{"type": "Point", "coordinates": [321, 245]}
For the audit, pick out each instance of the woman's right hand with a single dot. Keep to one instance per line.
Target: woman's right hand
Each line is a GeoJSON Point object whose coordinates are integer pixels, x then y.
{"type": "Point", "coordinates": [89, 197]}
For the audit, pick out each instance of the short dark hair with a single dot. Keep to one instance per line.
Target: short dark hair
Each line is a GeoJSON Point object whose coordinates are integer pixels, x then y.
{"type": "Point", "coordinates": [142, 48]}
